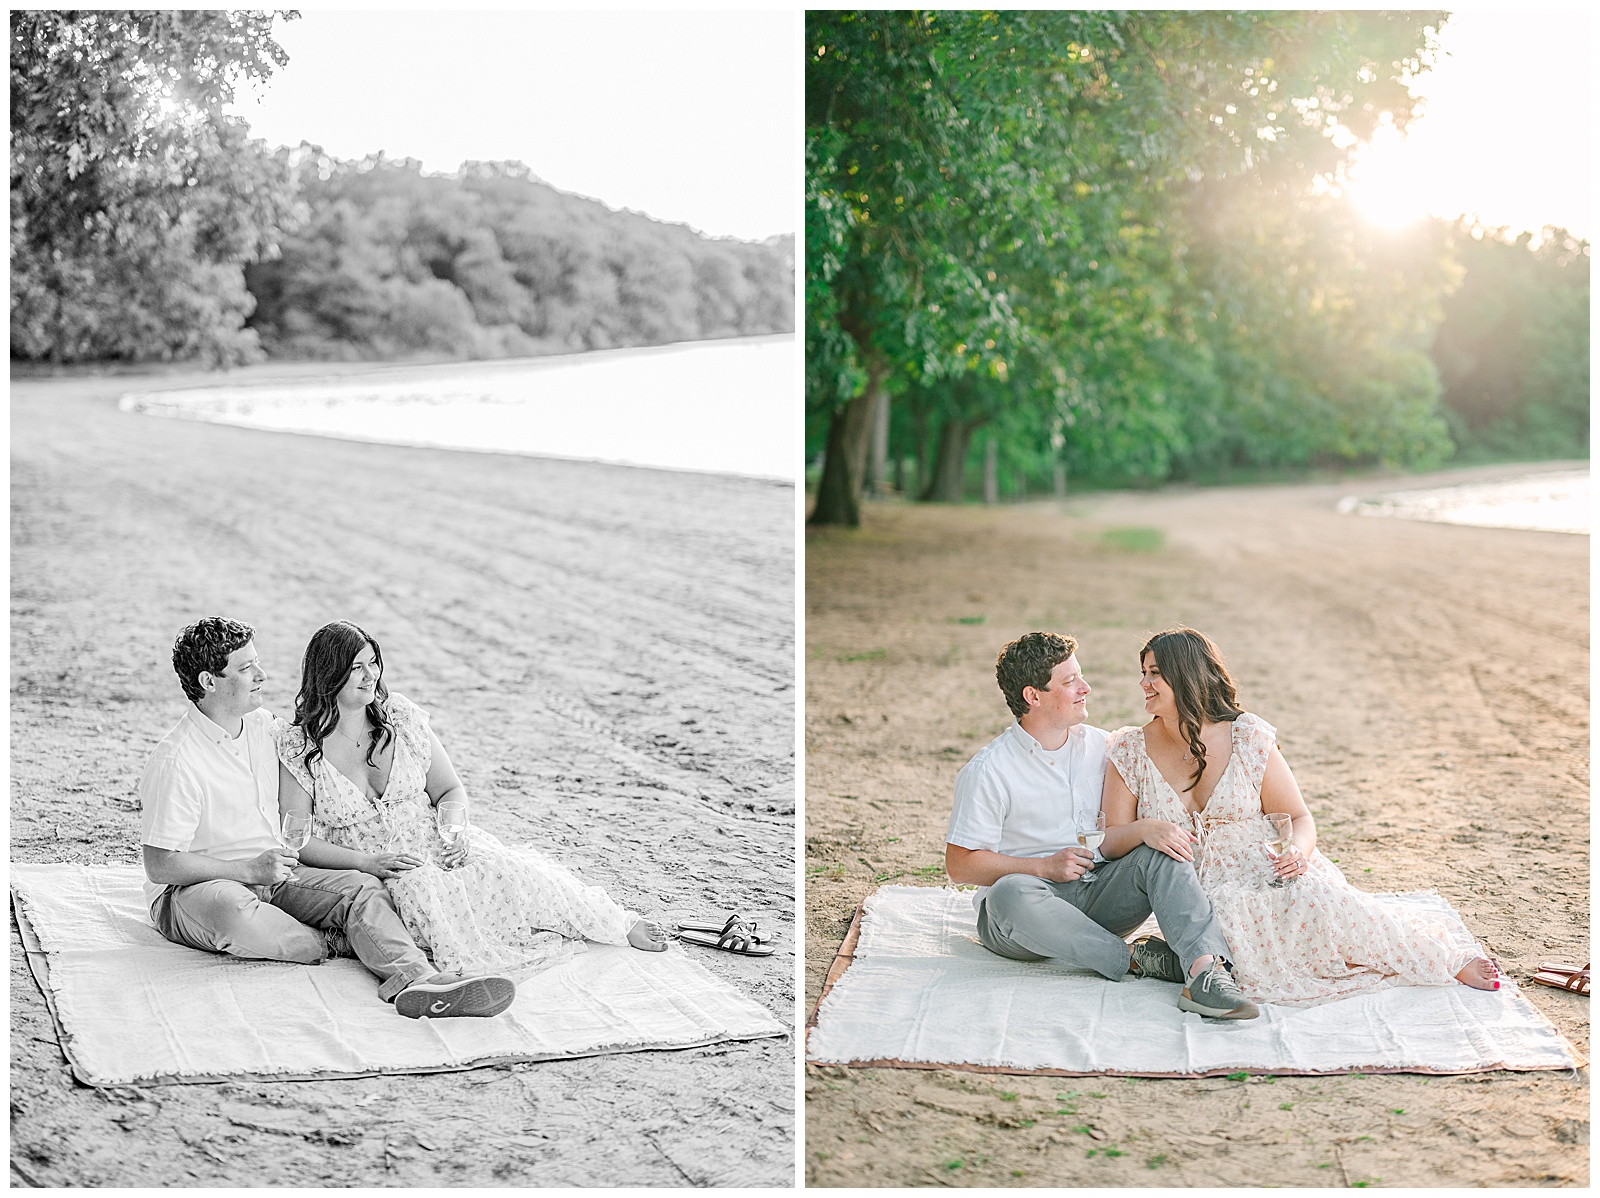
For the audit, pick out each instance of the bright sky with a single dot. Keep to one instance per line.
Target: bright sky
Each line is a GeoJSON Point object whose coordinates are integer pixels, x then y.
{"type": "Point", "coordinates": [1507, 130]}
{"type": "Point", "coordinates": [691, 117]}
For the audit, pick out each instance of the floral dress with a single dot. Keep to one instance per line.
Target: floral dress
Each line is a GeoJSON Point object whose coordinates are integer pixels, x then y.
{"type": "Point", "coordinates": [1316, 938]}
{"type": "Point", "coordinates": [505, 910]}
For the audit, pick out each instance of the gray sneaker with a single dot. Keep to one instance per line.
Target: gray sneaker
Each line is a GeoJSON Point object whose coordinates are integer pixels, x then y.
{"type": "Point", "coordinates": [338, 943]}
{"type": "Point", "coordinates": [1216, 995]}
{"type": "Point", "coordinates": [449, 995]}
{"type": "Point", "coordinates": [1154, 958]}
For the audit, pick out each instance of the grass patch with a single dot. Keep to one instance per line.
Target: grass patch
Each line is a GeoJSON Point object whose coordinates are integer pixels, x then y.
{"type": "Point", "coordinates": [967, 619]}
{"type": "Point", "coordinates": [869, 655]}
{"type": "Point", "coordinates": [1134, 539]}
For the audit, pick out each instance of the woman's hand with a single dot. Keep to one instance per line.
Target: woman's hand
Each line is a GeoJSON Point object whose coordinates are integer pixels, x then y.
{"type": "Point", "coordinates": [1290, 863]}
{"type": "Point", "coordinates": [1169, 838]}
{"type": "Point", "coordinates": [453, 855]}
{"type": "Point", "coordinates": [389, 865]}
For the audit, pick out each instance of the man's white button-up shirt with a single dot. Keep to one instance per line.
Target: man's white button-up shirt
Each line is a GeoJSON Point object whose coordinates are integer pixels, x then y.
{"type": "Point", "coordinates": [204, 791]}
{"type": "Point", "coordinates": [1018, 798]}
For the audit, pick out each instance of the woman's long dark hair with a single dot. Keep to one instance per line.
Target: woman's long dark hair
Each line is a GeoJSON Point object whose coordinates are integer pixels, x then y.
{"type": "Point", "coordinates": [324, 670]}
{"type": "Point", "coordinates": [1202, 689]}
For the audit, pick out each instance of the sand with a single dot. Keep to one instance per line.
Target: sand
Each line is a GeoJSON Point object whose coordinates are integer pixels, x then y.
{"type": "Point", "coordinates": [608, 655]}
{"type": "Point", "coordinates": [1429, 684]}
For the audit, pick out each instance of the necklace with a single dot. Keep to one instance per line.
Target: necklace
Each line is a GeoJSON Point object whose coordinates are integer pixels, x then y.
{"type": "Point", "coordinates": [355, 740]}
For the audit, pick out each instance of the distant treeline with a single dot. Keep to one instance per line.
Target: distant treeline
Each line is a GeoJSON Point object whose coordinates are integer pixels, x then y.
{"type": "Point", "coordinates": [146, 225]}
{"type": "Point", "coordinates": [491, 262]}
{"type": "Point", "coordinates": [1061, 248]}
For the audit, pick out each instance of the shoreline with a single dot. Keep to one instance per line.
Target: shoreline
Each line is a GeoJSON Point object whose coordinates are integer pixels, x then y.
{"type": "Point", "coordinates": [702, 407]}
{"type": "Point", "coordinates": [604, 697]}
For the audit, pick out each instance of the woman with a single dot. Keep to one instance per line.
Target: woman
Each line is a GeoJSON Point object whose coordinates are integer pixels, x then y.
{"type": "Point", "coordinates": [371, 772]}
{"type": "Point", "coordinates": [1204, 765]}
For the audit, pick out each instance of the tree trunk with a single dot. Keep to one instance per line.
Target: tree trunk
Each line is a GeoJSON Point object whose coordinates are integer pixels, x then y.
{"type": "Point", "coordinates": [947, 478]}
{"type": "Point", "coordinates": [878, 461]}
{"type": "Point", "coordinates": [991, 475]}
{"type": "Point", "coordinates": [845, 458]}
{"type": "Point", "coordinates": [1060, 480]}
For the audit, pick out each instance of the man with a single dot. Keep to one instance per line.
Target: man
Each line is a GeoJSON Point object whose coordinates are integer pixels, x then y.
{"type": "Point", "coordinates": [1019, 806]}
{"type": "Point", "coordinates": [220, 881]}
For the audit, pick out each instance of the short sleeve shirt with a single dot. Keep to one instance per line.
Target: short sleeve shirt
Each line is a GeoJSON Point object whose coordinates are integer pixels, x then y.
{"type": "Point", "coordinates": [1018, 798]}
{"type": "Point", "coordinates": [204, 791]}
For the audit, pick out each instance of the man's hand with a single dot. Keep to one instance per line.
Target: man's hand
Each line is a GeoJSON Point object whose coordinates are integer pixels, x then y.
{"type": "Point", "coordinates": [1169, 838]}
{"type": "Point", "coordinates": [1070, 864]}
{"type": "Point", "coordinates": [389, 865]}
{"type": "Point", "coordinates": [270, 868]}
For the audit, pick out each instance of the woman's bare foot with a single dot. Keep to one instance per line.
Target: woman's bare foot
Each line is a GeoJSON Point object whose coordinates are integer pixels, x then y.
{"type": "Point", "coordinates": [651, 937]}
{"type": "Point", "coordinates": [1480, 975]}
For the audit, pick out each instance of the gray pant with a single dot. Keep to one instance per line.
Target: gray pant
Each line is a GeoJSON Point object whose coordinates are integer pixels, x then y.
{"type": "Point", "coordinates": [1083, 923]}
{"type": "Point", "coordinates": [280, 922]}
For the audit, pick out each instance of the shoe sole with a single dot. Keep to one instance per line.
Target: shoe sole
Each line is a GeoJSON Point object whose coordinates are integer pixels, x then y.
{"type": "Point", "coordinates": [1247, 1011]}
{"type": "Point", "coordinates": [475, 998]}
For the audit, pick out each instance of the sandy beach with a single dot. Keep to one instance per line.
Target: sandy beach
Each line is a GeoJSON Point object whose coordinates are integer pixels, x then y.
{"type": "Point", "coordinates": [606, 652]}
{"type": "Point", "coordinates": [1429, 684]}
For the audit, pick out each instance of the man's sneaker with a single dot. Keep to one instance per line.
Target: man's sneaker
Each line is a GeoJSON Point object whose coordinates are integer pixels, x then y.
{"type": "Point", "coordinates": [1214, 994]}
{"type": "Point", "coordinates": [338, 943]}
{"type": "Point", "coordinates": [1154, 958]}
{"type": "Point", "coordinates": [449, 995]}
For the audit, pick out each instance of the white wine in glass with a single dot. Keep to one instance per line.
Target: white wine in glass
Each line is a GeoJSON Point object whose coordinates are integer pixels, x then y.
{"type": "Point", "coordinates": [452, 820]}
{"type": "Point", "coordinates": [295, 830]}
{"type": "Point", "coordinates": [1279, 840]}
{"type": "Point", "coordinates": [1092, 839]}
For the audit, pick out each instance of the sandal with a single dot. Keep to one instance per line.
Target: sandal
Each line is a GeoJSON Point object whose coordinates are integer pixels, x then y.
{"type": "Point", "coordinates": [1577, 981]}
{"type": "Point", "coordinates": [1558, 967]}
{"type": "Point", "coordinates": [749, 926]}
{"type": "Point", "coordinates": [735, 938]}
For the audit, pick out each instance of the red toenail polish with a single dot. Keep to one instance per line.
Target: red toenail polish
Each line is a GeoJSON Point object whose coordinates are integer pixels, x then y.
{"type": "Point", "coordinates": [1497, 985]}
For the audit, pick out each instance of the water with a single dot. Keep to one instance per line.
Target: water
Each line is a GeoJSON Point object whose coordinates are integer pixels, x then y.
{"type": "Point", "coordinates": [728, 407]}
{"type": "Point", "coordinates": [1553, 502]}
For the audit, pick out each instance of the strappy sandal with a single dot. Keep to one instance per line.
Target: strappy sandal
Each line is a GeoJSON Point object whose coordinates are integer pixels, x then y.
{"type": "Point", "coordinates": [735, 938]}
{"type": "Point", "coordinates": [1559, 967]}
{"type": "Point", "coordinates": [1563, 977]}
{"type": "Point", "coordinates": [749, 926]}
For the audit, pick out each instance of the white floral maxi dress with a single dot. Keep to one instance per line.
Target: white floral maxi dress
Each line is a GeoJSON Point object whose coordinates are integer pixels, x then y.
{"type": "Point", "coordinates": [1314, 939]}
{"type": "Point", "coordinates": [506, 910]}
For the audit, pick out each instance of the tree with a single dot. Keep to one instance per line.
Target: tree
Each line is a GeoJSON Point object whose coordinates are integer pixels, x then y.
{"type": "Point", "coordinates": [992, 195]}
{"type": "Point", "coordinates": [491, 262]}
{"type": "Point", "coordinates": [134, 200]}
{"type": "Point", "coordinates": [1513, 350]}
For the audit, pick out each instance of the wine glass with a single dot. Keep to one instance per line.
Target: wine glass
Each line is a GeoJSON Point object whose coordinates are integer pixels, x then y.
{"type": "Point", "coordinates": [451, 816]}
{"type": "Point", "coordinates": [295, 830]}
{"type": "Point", "coordinates": [1092, 839]}
{"type": "Point", "coordinates": [1280, 840]}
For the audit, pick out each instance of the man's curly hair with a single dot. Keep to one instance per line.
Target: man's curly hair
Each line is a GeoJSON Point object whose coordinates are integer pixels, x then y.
{"type": "Point", "coordinates": [1027, 661]}
{"type": "Point", "coordinates": [204, 647]}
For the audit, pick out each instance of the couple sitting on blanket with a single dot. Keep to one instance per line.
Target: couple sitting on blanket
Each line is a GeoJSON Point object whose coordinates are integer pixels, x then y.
{"type": "Point", "coordinates": [1186, 800]}
{"type": "Point", "coordinates": [367, 769]}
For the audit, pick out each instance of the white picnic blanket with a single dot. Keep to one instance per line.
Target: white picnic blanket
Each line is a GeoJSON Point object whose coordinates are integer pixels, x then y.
{"type": "Point", "coordinates": [922, 989]}
{"type": "Point", "coordinates": [133, 1008]}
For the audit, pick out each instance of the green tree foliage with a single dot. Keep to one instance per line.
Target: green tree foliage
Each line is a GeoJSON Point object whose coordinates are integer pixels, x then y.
{"type": "Point", "coordinates": [491, 262]}
{"type": "Point", "coordinates": [1513, 351]}
{"type": "Point", "coordinates": [134, 200]}
{"type": "Point", "coordinates": [1007, 231]}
